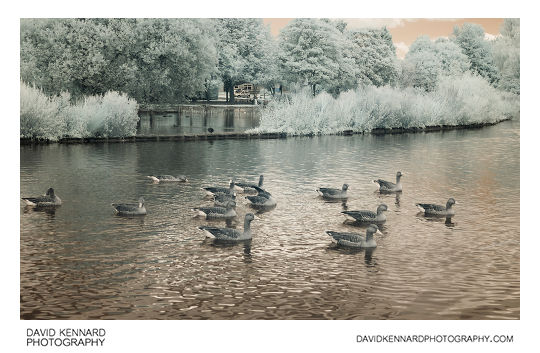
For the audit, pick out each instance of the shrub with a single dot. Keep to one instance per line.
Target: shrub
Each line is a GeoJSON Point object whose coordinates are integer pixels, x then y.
{"type": "Point", "coordinates": [51, 118]}
{"type": "Point", "coordinates": [459, 100]}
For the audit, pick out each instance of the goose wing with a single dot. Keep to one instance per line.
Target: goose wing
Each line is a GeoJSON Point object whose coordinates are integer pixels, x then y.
{"type": "Point", "coordinates": [362, 215]}
{"type": "Point", "coordinates": [351, 237]}
{"type": "Point", "coordinates": [329, 191]}
{"type": "Point", "coordinates": [430, 207]}
{"type": "Point", "coordinates": [222, 233]}
{"type": "Point", "coordinates": [385, 184]}
{"type": "Point", "coordinates": [125, 207]}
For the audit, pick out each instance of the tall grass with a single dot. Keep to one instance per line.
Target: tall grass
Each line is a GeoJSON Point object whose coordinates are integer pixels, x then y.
{"type": "Point", "coordinates": [456, 101]}
{"type": "Point", "coordinates": [52, 118]}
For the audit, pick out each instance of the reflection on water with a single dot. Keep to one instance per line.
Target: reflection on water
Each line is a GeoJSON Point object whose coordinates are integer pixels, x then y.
{"type": "Point", "coordinates": [198, 120]}
{"type": "Point", "coordinates": [82, 262]}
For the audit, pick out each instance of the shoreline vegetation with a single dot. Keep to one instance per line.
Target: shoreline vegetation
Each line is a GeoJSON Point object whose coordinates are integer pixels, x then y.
{"type": "Point", "coordinates": [254, 135]}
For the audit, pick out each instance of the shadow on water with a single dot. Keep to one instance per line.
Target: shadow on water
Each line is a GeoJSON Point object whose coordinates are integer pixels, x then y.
{"type": "Point", "coordinates": [369, 260]}
{"type": "Point", "coordinates": [437, 219]}
{"type": "Point", "coordinates": [262, 209]}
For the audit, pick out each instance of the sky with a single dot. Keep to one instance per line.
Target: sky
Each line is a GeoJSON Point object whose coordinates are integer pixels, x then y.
{"type": "Point", "coordinates": [405, 30]}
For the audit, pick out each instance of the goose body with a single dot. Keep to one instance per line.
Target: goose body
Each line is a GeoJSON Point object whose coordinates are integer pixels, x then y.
{"type": "Point", "coordinates": [167, 178]}
{"type": "Point", "coordinates": [248, 187]}
{"type": "Point", "coordinates": [431, 209]}
{"type": "Point", "coordinates": [366, 216]}
{"type": "Point", "coordinates": [130, 209]}
{"type": "Point", "coordinates": [263, 198]}
{"type": "Point", "coordinates": [217, 212]}
{"type": "Point", "coordinates": [387, 186]}
{"type": "Point", "coordinates": [230, 234]}
{"type": "Point", "coordinates": [47, 200]}
{"type": "Point", "coordinates": [215, 190]}
{"type": "Point", "coordinates": [356, 240]}
{"type": "Point", "coordinates": [221, 200]}
{"type": "Point", "coordinates": [331, 193]}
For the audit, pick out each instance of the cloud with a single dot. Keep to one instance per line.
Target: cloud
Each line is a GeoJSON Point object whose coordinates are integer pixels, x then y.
{"type": "Point", "coordinates": [355, 23]}
{"type": "Point", "coordinates": [490, 37]}
{"type": "Point", "coordinates": [401, 49]}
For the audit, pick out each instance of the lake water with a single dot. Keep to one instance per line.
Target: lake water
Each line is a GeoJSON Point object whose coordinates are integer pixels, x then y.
{"type": "Point", "coordinates": [83, 262]}
{"type": "Point", "coordinates": [197, 120]}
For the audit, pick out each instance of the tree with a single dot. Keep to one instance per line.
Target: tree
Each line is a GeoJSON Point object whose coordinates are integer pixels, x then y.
{"type": "Point", "coordinates": [153, 60]}
{"type": "Point", "coordinates": [245, 49]}
{"type": "Point", "coordinates": [427, 62]}
{"type": "Point", "coordinates": [375, 56]}
{"type": "Point", "coordinates": [310, 52]}
{"type": "Point", "coordinates": [470, 38]}
{"type": "Point", "coordinates": [173, 58]}
{"type": "Point", "coordinates": [506, 55]}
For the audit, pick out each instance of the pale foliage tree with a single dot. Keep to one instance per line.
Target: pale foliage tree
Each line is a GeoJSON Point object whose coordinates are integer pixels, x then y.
{"type": "Point", "coordinates": [470, 38]}
{"type": "Point", "coordinates": [506, 55]}
{"type": "Point", "coordinates": [375, 56]}
{"type": "Point", "coordinates": [311, 52]}
{"type": "Point", "coordinates": [245, 49]}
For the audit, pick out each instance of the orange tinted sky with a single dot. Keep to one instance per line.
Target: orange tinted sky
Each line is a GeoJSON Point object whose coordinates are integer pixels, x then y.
{"type": "Point", "coordinates": [405, 31]}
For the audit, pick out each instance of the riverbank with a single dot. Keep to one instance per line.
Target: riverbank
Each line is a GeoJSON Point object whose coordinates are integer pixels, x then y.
{"type": "Point", "coordinates": [246, 135]}
{"type": "Point", "coordinates": [178, 108]}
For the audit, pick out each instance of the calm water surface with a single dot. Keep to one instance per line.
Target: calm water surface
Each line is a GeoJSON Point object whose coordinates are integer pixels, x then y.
{"type": "Point", "coordinates": [83, 262]}
{"type": "Point", "coordinates": [197, 120]}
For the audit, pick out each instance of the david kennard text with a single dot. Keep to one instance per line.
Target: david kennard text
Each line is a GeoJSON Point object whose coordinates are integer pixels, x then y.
{"type": "Point", "coordinates": [66, 337]}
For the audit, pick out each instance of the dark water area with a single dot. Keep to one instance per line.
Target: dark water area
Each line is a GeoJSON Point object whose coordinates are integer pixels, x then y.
{"type": "Point", "coordinates": [197, 120]}
{"type": "Point", "coordinates": [83, 262]}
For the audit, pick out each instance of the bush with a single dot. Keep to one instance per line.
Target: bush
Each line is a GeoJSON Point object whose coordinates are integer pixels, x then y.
{"type": "Point", "coordinates": [51, 118]}
{"type": "Point", "coordinates": [460, 100]}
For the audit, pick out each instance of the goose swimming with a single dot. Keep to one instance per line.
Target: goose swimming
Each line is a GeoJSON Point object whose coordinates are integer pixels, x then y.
{"type": "Point", "coordinates": [366, 216]}
{"type": "Point", "coordinates": [248, 187]}
{"type": "Point", "coordinates": [263, 198]}
{"type": "Point", "coordinates": [430, 209]}
{"type": "Point", "coordinates": [47, 200]}
{"type": "Point", "coordinates": [217, 212]}
{"type": "Point", "coordinates": [214, 190]}
{"type": "Point", "coordinates": [167, 178]}
{"type": "Point", "coordinates": [229, 233]}
{"type": "Point", "coordinates": [356, 240]}
{"type": "Point", "coordinates": [130, 209]}
{"type": "Point", "coordinates": [331, 193]}
{"type": "Point", "coordinates": [221, 200]}
{"type": "Point", "coordinates": [386, 186]}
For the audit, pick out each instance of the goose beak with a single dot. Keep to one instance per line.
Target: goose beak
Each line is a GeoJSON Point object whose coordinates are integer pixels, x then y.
{"type": "Point", "coordinates": [256, 218]}
{"type": "Point", "coordinates": [379, 232]}
{"type": "Point", "coordinates": [456, 203]}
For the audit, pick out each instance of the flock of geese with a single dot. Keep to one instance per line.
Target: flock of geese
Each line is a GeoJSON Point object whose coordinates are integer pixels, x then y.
{"type": "Point", "coordinates": [225, 203]}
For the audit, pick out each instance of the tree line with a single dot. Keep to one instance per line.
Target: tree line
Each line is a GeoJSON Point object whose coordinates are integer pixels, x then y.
{"type": "Point", "coordinates": [173, 60]}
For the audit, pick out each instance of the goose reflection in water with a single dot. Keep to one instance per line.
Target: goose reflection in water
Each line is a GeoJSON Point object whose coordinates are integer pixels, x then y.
{"type": "Point", "coordinates": [51, 211]}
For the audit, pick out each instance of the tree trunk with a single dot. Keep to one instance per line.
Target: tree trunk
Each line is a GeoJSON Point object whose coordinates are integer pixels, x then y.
{"type": "Point", "coordinates": [231, 94]}
{"type": "Point", "coordinates": [313, 88]}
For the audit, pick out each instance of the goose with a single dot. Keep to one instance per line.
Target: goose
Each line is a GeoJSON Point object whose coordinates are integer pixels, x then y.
{"type": "Point", "coordinates": [217, 212]}
{"type": "Point", "coordinates": [167, 178]}
{"type": "Point", "coordinates": [243, 187]}
{"type": "Point", "coordinates": [386, 186]}
{"type": "Point", "coordinates": [356, 240]}
{"type": "Point", "coordinates": [263, 198]}
{"type": "Point", "coordinates": [430, 209]}
{"type": "Point", "coordinates": [47, 200]}
{"type": "Point", "coordinates": [365, 216]}
{"type": "Point", "coordinates": [334, 193]}
{"type": "Point", "coordinates": [214, 190]}
{"type": "Point", "coordinates": [221, 200]}
{"type": "Point", "coordinates": [229, 233]}
{"type": "Point", "coordinates": [130, 209]}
